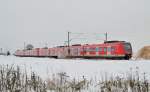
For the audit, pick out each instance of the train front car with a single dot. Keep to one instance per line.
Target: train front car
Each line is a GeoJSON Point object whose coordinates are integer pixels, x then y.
{"type": "Point", "coordinates": [119, 49]}
{"type": "Point", "coordinates": [127, 50]}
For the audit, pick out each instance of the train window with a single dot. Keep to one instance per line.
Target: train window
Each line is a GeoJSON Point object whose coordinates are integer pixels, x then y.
{"type": "Point", "coordinates": [84, 49]}
{"type": "Point", "coordinates": [109, 49]}
{"type": "Point", "coordinates": [127, 46]}
{"type": "Point", "coordinates": [88, 49]}
{"type": "Point", "coordinates": [100, 49]}
{"type": "Point", "coordinates": [105, 49]}
{"type": "Point", "coordinates": [112, 49]}
{"type": "Point", "coordinates": [92, 49]}
{"type": "Point", "coordinates": [97, 49]}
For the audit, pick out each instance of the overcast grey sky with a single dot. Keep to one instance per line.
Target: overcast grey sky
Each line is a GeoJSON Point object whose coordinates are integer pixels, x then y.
{"type": "Point", "coordinates": [47, 21]}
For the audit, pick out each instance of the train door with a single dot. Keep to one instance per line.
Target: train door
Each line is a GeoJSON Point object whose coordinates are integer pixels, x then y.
{"type": "Point", "coordinates": [105, 51]}
{"type": "Point", "coordinates": [79, 50]}
{"type": "Point", "coordinates": [74, 51]}
{"type": "Point", "coordinates": [84, 51]}
{"type": "Point", "coordinates": [109, 51]}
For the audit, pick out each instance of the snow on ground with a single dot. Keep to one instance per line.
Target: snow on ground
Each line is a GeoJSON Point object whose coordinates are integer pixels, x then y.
{"type": "Point", "coordinates": [77, 67]}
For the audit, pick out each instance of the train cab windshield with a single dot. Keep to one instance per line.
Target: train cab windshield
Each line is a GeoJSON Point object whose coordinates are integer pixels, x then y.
{"type": "Point", "coordinates": [128, 50]}
{"type": "Point", "coordinates": [128, 47]}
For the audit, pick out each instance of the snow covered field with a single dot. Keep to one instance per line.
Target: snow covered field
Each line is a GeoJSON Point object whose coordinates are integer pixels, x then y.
{"type": "Point", "coordinates": [95, 72]}
{"type": "Point", "coordinates": [77, 67]}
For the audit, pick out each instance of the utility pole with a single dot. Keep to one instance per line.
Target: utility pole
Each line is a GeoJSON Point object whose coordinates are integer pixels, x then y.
{"type": "Point", "coordinates": [106, 36]}
{"type": "Point", "coordinates": [69, 43]}
{"type": "Point", "coordinates": [68, 39]}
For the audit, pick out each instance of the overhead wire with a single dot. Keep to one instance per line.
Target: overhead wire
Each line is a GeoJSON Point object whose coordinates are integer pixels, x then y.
{"type": "Point", "coordinates": [87, 36]}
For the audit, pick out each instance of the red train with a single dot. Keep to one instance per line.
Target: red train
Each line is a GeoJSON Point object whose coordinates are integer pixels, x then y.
{"type": "Point", "coordinates": [106, 50]}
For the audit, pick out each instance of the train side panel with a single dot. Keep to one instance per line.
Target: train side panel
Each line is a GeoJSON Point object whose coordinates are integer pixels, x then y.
{"type": "Point", "coordinates": [43, 52]}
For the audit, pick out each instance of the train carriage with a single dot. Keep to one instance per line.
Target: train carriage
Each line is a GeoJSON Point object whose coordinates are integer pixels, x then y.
{"type": "Point", "coordinates": [43, 52]}
{"type": "Point", "coordinates": [108, 50]}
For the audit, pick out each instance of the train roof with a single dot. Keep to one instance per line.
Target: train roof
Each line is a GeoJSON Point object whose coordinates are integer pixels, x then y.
{"type": "Point", "coordinates": [114, 41]}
